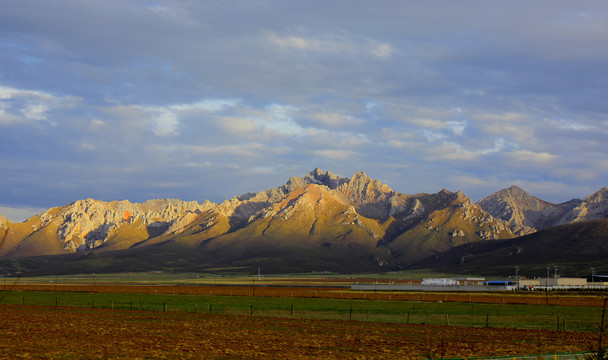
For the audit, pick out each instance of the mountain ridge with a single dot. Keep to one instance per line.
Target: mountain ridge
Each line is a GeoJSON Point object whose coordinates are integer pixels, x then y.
{"type": "Point", "coordinates": [527, 214]}
{"type": "Point", "coordinates": [314, 221]}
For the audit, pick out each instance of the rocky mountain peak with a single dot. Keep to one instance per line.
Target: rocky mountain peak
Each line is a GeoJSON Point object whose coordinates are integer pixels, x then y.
{"type": "Point", "coordinates": [312, 200]}
{"type": "Point", "coordinates": [87, 224]}
{"type": "Point", "coordinates": [525, 213]}
{"type": "Point", "coordinates": [370, 197]}
{"type": "Point", "coordinates": [320, 177]}
{"type": "Point", "coordinates": [598, 197]}
{"type": "Point", "coordinates": [595, 206]}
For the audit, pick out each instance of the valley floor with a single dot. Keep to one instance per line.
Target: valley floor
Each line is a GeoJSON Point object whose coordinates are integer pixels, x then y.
{"type": "Point", "coordinates": [84, 333]}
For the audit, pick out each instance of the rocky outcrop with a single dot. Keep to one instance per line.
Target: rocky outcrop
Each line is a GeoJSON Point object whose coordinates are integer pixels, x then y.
{"type": "Point", "coordinates": [592, 207]}
{"type": "Point", "coordinates": [371, 197]}
{"type": "Point", "coordinates": [87, 224]}
{"type": "Point", "coordinates": [318, 216]}
{"type": "Point", "coordinates": [527, 214]}
{"type": "Point", "coordinates": [524, 213]}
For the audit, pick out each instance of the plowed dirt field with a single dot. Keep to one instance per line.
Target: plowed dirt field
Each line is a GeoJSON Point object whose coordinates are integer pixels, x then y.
{"type": "Point", "coordinates": [79, 333]}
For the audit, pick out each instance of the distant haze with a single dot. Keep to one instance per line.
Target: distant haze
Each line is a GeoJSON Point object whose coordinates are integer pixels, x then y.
{"type": "Point", "coordinates": [19, 214]}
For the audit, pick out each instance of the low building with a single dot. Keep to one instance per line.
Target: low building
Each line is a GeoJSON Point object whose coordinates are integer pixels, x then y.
{"type": "Point", "coordinates": [439, 282]}
{"type": "Point", "coordinates": [559, 282]}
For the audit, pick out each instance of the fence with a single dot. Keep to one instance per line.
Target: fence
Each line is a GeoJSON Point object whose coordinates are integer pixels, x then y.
{"type": "Point", "coordinates": [564, 356]}
{"type": "Point", "coordinates": [448, 314]}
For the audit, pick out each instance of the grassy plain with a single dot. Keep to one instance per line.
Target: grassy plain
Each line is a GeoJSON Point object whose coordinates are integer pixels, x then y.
{"type": "Point", "coordinates": [158, 322]}
{"type": "Point", "coordinates": [514, 316]}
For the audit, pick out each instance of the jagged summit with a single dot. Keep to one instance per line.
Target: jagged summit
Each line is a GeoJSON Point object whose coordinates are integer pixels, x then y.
{"type": "Point", "coordinates": [88, 224]}
{"type": "Point", "coordinates": [318, 177]}
{"type": "Point", "coordinates": [319, 218]}
{"type": "Point", "coordinates": [525, 213]}
{"type": "Point", "coordinates": [595, 206]}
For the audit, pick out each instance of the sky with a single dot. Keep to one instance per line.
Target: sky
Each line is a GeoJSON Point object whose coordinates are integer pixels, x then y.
{"type": "Point", "coordinates": [205, 100]}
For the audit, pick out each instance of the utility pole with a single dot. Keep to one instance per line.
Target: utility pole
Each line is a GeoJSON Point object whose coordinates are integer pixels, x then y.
{"type": "Point", "coordinates": [592, 275]}
{"type": "Point", "coordinates": [517, 277]}
{"type": "Point", "coordinates": [547, 283]}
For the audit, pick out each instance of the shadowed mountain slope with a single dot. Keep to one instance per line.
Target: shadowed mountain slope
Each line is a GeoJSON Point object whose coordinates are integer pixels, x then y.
{"type": "Point", "coordinates": [320, 222]}
{"type": "Point", "coordinates": [574, 248]}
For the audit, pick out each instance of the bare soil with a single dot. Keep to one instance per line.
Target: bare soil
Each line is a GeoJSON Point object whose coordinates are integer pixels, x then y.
{"type": "Point", "coordinates": [78, 333]}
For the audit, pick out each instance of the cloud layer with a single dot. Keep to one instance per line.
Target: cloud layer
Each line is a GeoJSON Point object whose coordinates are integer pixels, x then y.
{"type": "Point", "coordinates": [206, 100]}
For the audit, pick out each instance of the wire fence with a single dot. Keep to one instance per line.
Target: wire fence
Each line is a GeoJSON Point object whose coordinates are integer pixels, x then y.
{"type": "Point", "coordinates": [418, 313]}
{"type": "Point", "coordinates": [562, 356]}
{"type": "Point", "coordinates": [284, 309]}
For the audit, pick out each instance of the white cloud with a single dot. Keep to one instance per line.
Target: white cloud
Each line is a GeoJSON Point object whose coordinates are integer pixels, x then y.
{"type": "Point", "coordinates": [335, 154]}
{"type": "Point", "coordinates": [278, 118]}
{"type": "Point", "coordinates": [382, 50]}
{"type": "Point", "coordinates": [237, 125]}
{"type": "Point", "coordinates": [457, 127]}
{"type": "Point", "coordinates": [247, 150]}
{"type": "Point", "coordinates": [166, 119]}
{"type": "Point", "coordinates": [165, 123]}
{"type": "Point", "coordinates": [504, 117]}
{"type": "Point", "coordinates": [290, 41]}
{"type": "Point", "coordinates": [526, 156]}
{"type": "Point", "coordinates": [331, 43]}
{"type": "Point", "coordinates": [319, 138]}
{"type": "Point", "coordinates": [567, 124]}
{"type": "Point", "coordinates": [335, 120]}
{"type": "Point", "coordinates": [86, 146]}
{"type": "Point", "coordinates": [19, 106]}
{"type": "Point", "coordinates": [96, 124]}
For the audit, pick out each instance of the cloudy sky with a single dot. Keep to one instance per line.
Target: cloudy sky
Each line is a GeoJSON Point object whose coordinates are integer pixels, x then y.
{"type": "Point", "coordinates": [196, 100]}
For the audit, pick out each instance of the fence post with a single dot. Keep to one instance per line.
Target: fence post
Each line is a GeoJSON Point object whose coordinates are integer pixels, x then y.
{"type": "Point", "coordinates": [447, 319]}
{"type": "Point", "coordinates": [350, 313]}
{"type": "Point", "coordinates": [291, 311]}
{"type": "Point", "coordinates": [112, 304]}
{"type": "Point", "coordinates": [251, 311]}
{"type": "Point", "coordinates": [408, 317]}
{"type": "Point", "coordinates": [165, 306]}
{"type": "Point", "coordinates": [487, 320]}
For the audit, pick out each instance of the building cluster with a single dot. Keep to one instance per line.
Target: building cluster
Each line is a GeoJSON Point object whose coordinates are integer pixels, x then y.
{"type": "Point", "coordinates": [481, 284]}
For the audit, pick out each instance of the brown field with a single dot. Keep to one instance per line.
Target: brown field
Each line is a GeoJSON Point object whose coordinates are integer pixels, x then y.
{"type": "Point", "coordinates": [28, 332]}
{"type": "Point", "coordinates": [334, 292]}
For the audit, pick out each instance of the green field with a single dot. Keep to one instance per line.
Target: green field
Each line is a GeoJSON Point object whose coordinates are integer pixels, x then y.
{"type": "Point", "coordinates": [454, 314]}
{"type": "Point", "coordinates": [195, 278]}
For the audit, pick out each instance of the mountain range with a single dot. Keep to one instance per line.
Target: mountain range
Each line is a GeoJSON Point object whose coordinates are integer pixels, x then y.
{"type": "Point", "coordinates": [318, 222]}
